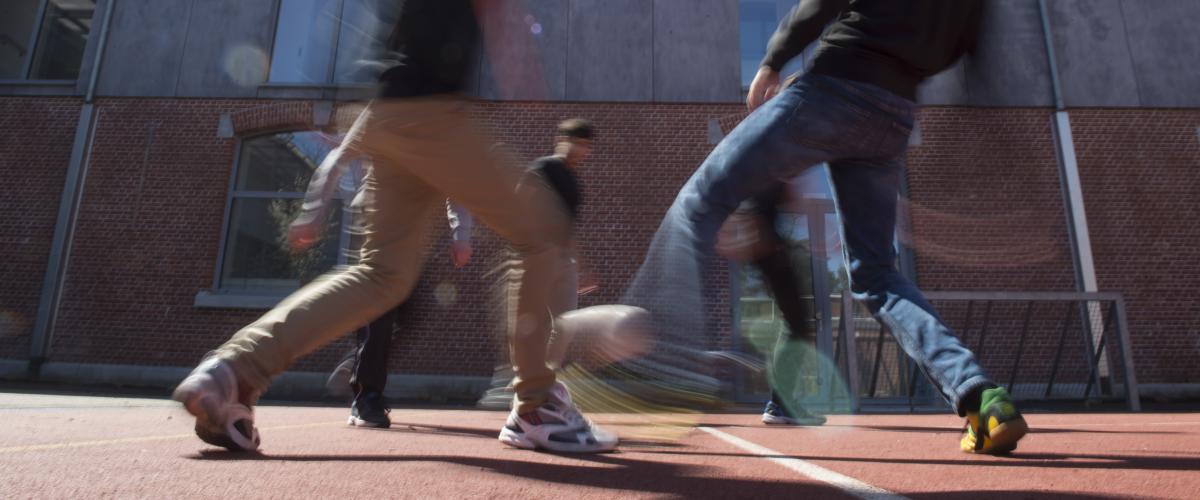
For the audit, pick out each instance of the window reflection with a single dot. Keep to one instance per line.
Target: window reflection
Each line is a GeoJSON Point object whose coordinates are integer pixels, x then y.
{"type": "Point", "coordinates": [273, 173]}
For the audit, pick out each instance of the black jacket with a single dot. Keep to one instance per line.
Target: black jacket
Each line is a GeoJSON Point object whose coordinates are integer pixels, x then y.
{"type": "Point", "coordinates": [894, 44]}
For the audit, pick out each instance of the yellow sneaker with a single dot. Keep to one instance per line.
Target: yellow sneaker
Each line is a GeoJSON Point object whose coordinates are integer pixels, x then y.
{"type": "Point", "coordinates": [996, 427]}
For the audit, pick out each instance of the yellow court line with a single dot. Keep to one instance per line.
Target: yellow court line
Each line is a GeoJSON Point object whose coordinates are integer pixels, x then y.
{"type": "Point", "coordinates": [147, 439]}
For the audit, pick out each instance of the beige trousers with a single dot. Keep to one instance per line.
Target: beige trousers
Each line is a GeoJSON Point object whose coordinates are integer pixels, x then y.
{"type": "Point", "coordinates": [423, 150]}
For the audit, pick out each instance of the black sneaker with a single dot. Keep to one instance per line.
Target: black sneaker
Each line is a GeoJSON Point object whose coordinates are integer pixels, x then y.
{"type": "Point", "coordinates": [370, 410]}
{"type": "Point", "coordinates": [774, 414]}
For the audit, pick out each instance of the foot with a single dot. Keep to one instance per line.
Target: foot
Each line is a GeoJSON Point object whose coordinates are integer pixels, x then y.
{"type": "Point", "coordinates": [370, 410]}
{"type": "Point", "coordinates": [996, 427]}
{"type": "Point", "coordinates": [774, 414]}
{"type": "Point", "coordinates": [211, 394]}
{"type": "Point", "coordinates": [556, 426]}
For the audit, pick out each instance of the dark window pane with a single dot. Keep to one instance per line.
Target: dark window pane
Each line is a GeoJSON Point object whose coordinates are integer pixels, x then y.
{"type": "Point", "coordinates": [304, 41]}
{"type": "Point", "coordinates": [64, 35]}
{"type": "Point", "coordinates": [17, 20]}
{"type": "Point", "coordinates": [281, 162]}
{"type": "Point", "coordinates": [256, 253]}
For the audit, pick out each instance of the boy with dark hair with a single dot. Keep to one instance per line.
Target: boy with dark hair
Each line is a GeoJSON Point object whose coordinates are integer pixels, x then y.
{"type": "Point", "coordinates": [572, 145]}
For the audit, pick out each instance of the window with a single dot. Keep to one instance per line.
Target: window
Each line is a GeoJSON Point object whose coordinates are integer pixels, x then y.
{"type": "Point", "coordinates": [758, 20]}
{"type": "Point", "coordinates": [271, 176]}
{"type": "Point", "coordinates": [319, 42]}
{"type": "Point", "coordinates": [43, 39]}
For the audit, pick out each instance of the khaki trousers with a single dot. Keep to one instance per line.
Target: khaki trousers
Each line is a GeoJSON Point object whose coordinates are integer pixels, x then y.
{"type": "Point", "coordinates": [423, 150]}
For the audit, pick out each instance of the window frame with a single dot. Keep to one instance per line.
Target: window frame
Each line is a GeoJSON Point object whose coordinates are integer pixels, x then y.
{"type": "Point", "coordinates": [330, 80]}
{"type": "Point", "coordinates": [232, 194]}
{"type": "Point", "coordinates": [34, 35]}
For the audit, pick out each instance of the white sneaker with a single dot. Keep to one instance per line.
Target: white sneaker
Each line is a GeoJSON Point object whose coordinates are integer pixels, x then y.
{"type": "Point", "coordinates": [778, 415]}
{"type": "Point", "coordinates": [210, 393]}
{"type": "Point", "coordinates": [559, 427]}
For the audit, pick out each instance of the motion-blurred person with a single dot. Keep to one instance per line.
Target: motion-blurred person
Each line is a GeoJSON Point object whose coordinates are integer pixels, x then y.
{"type": "Point", "coordinates": [853, 109]}
{"type": "Point", "coordinates": [572, 145]}
{"type": "Point", "coordinates": [761, 245]}
{"type": "Point", "coordinates": [424, 148]}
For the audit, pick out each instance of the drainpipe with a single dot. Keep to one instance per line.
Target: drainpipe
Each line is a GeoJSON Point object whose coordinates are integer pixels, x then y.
{"type": "Point", "coordinates": [68, 212]}
{"type": "Point", "coordinates": [1077, 226]}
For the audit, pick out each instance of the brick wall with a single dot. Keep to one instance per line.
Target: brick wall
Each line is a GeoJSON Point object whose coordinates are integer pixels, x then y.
{"type": "Point", "coordinates": [36, 135]}
{"type": "Point", "coordinates": [1142, 193]}
{"type": "Point", "coordinates": [986, 213]}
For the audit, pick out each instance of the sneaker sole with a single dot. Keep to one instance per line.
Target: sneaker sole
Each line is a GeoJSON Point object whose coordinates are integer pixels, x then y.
{"type": "Point", "coordinates": [210, 426]}
{"type": "Point", "coordinates": [358, 422]}
{"type": "Point", "coordinates": [508, 437]}
{"type": "Point", "coordinates": [522, 441]}
{"type": "Point", "coordinates": [1004, 437]}
{"type": "Point", "coordinates": [769, 419]}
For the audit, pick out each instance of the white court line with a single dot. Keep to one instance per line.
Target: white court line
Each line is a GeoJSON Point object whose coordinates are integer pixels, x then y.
{"type": "Point", "coordinates": [812, 471]}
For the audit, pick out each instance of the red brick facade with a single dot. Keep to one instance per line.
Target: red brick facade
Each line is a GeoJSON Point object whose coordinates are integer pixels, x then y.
{"type": "Point", "coordinates": [35, 146]}
{"type": "Point", "coordinates": [986, 214]}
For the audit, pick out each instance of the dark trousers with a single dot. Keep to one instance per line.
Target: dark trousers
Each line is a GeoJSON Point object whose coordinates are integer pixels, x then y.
{"type": "Point", "coordinates": [371, 357]}
{"type": "Point", "coordinates": [782, 277]}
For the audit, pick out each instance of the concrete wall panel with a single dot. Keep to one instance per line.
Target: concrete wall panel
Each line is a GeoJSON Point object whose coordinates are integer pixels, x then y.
{"type": "Point", "coordinates": [1093, 57]}
{"type": "Point", "coordinates": [947, 88]}
{"type": "Point", "coordinates": [547, 23]}
{"type": "Point", "coordinates": [696, 56]}
{"type": "Point", "coordinates": [610, 51]}
{"type": "Point", "coordinates": [1010, 68]}
{"type": "Point", "coordinates": [1165, 46]}
{"type": "Point", "coordinates": [145, 48]}
{"type": "Point", "coordinates": [228, 48]}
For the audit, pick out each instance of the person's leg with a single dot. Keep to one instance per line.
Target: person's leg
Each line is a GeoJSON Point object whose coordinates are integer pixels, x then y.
{"type": "Point", "coordinates": [866, 192]}
{"type": "Point", "coordinates": [531, 218]}
{"type": "Point", "coordinates": [783, 280]}
{"type": "Point", "coordinates": [374, 349]}
{"type": "Point", "coordinates": [804, 125]}
{"type": "Point", "coordinates": [564, 296]}
{"type": "Point", "coordinates": [527, 215]}
{"type": "Point", "coordinates": [398, 206]}
{"type": "Point", "coordinates": [369, 378]}
{"type": "Point", "coordinates": [220, 391]}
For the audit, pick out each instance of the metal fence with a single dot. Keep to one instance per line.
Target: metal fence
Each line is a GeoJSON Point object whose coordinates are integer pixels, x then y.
{"type": "Point", "coordinates": [1044, 347]}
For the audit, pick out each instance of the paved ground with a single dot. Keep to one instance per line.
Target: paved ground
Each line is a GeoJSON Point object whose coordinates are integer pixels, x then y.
{"type": "Point", "coordinates": [55, 446]}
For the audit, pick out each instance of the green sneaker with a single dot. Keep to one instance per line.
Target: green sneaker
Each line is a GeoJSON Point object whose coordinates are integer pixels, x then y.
{"type": "Point", "coordinates": [996, 427]}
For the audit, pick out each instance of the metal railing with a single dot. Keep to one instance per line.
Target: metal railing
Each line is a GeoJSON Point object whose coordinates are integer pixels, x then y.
{"type": "Point", "coordinates": [1042, 346]}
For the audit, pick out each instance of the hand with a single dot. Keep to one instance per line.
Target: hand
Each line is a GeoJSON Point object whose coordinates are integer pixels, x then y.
{"type": "Point", "coordinates": [302, 235]}
{"type": "Point", "coordinates": [764, 87]}
{"type": "Point", "coordinates": [460, 253]}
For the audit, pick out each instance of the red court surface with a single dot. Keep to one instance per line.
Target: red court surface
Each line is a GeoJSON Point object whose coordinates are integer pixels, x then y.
{"type": "Point", "coordinates": [54, 446]}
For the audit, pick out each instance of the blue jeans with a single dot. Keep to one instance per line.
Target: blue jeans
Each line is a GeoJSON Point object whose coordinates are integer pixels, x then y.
{"type": "Point", "coordinates": [862, 132]}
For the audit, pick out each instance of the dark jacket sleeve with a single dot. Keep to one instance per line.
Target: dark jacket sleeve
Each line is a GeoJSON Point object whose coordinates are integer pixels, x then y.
{"type": "Point", "coordinates": [799, 28]}
{"type": "Point", "coordinates": [970, 40]}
